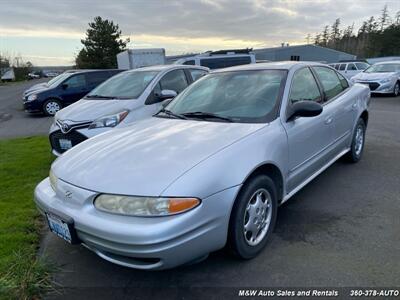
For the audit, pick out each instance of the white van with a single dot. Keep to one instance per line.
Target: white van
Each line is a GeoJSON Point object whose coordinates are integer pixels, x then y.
{"type": "Point", "coordinates": [219, 59]}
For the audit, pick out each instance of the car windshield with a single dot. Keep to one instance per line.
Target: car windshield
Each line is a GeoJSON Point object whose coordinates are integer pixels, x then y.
{"type": "Point", "coordinates": [383, 68]}
{"type": "Point", "coordinates": [239, 96]}
{"type": "Point", "coordinates": [126, 85]}
{"type": "Point", "coordinates": [57, 80]}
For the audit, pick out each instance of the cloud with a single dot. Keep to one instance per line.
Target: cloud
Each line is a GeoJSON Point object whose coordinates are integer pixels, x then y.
{"type": "Point", "coordinates": [187, 25]}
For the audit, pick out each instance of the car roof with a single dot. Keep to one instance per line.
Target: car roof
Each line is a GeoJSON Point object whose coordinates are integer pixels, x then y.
{"type": "Point", "coordinates": [280, 65]}
{"type": "Point", "coordinates": [159, 68]}
{"type": "Point", "coordinates": [388, 62]}
{"type": "Point", "coordinates": [89, 70]}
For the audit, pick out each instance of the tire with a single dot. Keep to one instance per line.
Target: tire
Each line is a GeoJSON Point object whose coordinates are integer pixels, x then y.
{"type": "Point", "coordinates": [357, 143]}
{"type": "Point", "coordinates": [396, 89]}
{"type": "Point", "coordinates": [243, 215]}
{"type": "Point", "coordinates": [51, 106]}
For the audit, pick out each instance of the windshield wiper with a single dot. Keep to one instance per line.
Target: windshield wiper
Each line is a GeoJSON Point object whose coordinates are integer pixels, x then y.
{"type": "Point", "coordinates": [170, 113]}
{"type": "Point", "coordinates": [99, 97]}
{"type": "Point", "coordinates": [206, 115]}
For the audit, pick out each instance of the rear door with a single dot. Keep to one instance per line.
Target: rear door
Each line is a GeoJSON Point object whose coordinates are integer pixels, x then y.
{"type": "Point", "coordinates": [341, 101]}
{"type": "Point", "coordinates": [309, 138]}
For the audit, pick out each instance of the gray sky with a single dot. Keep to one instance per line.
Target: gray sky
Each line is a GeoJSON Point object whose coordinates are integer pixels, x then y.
{"type": "Point", "coordinates": [48, 32]}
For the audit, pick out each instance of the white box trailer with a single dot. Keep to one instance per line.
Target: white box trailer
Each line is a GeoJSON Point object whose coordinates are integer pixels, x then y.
{"type": "Point", "coordinates": [137, 58]}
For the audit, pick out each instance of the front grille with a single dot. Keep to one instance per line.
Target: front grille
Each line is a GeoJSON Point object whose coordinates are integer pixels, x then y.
{"type": "Point", "coordinates": [372, 85]}
{"type": "Point", "coordinates": [73, 136]}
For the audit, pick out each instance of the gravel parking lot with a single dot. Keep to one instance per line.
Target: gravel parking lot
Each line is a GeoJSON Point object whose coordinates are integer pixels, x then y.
{"type": "Point", "coordinates": [14, 122]}
{"type": "Point", "coordinates": [342, 230]}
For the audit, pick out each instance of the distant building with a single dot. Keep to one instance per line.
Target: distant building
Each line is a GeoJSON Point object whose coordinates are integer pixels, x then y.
{"type": "Point", "coordinates": [302, 53]}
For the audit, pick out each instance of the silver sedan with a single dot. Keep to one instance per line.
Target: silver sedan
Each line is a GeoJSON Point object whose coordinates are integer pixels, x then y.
{"type": "Point", "coordinates": [210, 169]}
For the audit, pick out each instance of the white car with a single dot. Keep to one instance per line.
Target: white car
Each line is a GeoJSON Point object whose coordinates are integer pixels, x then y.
{"type": "Point", "coordinates": [350, 69]}
{"type": "Point", "coordinates": [382, 78]}
{"type": "Point", "coordinates": [124, 98]}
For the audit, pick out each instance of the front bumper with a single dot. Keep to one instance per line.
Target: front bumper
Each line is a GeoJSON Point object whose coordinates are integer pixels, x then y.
{"type": "Point", "coordinates": [378, 87]}
{"type": "Point", "coordinates": [141, 242]}
{"type": "Point", "coordinates": [76, 136]}
{"type": "Point", "coordinates": [32, 106]}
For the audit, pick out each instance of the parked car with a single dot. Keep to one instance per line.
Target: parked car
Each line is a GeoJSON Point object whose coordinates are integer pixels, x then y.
{"type": "Point", "coordinates": [209, 169]}
{"type": "Point", "coordinates": [63, 90]}
{"type": "Point", "coordinates": [382, 78]}
{"type": "Point", "coordinates": [220, 59]}
{"type": "Point", "coordinates": [34, 75]}
{"type": "Point", "coordinates": [350, 68]}
{"type": "Point", "coordinates": [121, 100]}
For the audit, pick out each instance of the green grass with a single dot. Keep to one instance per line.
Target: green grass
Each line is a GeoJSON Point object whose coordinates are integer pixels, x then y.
{"type": "Point", "coordinates": [23, 163]}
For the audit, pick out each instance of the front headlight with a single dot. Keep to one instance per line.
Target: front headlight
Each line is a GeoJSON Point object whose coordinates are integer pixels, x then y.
{"type": "Point", "coordinates": [109, 121]}
{"type": "Point", "coordinates": [144, 206]}
{"type": "Point", "coordinates": [53, 180]}
{"type": "Point", "coordinates": [385, 80]}
{"type": "Point", "coordinates": [32, 97]}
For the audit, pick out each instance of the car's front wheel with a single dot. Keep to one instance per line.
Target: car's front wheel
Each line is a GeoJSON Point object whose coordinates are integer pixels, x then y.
{"type": "Point", "coordinates": [253, 217]}
{"type": "Point", "coordinates": [396, 89]}
{"type": "Point", "coordinates": [51, 106]}
{"type": "Point", "coordinates": [357, 144]}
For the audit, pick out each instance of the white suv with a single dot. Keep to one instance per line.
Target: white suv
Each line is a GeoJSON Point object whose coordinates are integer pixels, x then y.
{"type": "Point", "coordinates": [349, 69]}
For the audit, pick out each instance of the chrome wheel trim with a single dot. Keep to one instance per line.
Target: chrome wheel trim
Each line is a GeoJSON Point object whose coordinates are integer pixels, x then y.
{"type": "Point", "coordinates": [257, 217]}
{"type": "Point", "coordinates": [359, 140]}
{"type": "Point", "coordinates": [52, 107]}
{"type": "Point", "coordinates": [396, 89]}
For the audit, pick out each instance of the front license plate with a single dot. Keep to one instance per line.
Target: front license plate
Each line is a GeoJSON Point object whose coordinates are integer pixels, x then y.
{"type": "Point", "coordinates": [59, 227]}
{"type": "Point", "coordinates": [65, 144]}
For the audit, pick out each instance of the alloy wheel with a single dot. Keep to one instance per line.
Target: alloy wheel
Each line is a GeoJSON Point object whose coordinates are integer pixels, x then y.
{"type": "Point", "coordinates": [257, 217]}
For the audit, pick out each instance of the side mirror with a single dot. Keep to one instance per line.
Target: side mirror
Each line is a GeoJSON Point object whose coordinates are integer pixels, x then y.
{"type": "Point", "coordinates": [167, 94]}
{"type": "Point", "coordinates": [304, 109]}
{"type": "Point", "coordinates": [64, 86]}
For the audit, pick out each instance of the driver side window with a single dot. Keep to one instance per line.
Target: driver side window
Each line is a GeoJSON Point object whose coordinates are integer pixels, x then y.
{"type": "Point", "coordinates": [304, 87]}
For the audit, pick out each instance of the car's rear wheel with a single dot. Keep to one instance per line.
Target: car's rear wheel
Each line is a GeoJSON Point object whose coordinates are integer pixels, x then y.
{"type": "Point", "coordinates": [253, 217]}
{"type": "Point", "coordinates": [51, 106]}
{"type": "Point", "coordinates": [357, 144]}
{"type": "Point", "coordinates": [396, 89]}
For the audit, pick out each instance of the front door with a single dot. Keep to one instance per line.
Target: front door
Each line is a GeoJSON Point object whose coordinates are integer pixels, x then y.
{"type": "Point", "coordinates": [309, 138]}
{"type": "Point", "coordinates": [74, 88]}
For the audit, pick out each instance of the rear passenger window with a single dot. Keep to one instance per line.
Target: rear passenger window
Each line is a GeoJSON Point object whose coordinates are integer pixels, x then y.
{"type": "Point", "coordinates": [342, 67]}
{"type": "Point", "coordinates": [330, 81]}
{"type": "Point", "coordinates": [304, 87]}
{"type": "Point", "coordinates": [196, 74]}
{"type": "Point", "coordinates": [174, 80]}
{"type": "Point", "coordinates": [351, 67]}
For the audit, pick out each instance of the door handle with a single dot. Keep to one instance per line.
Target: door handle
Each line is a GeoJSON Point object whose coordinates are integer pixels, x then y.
{"type": "Point", "coordinates": [328, 120]}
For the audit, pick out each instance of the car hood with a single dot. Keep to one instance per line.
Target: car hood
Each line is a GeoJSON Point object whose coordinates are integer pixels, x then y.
{"type": "Point", "coordinates": [89, 110]}
{"type": "Point", "coordinates": [373, 76]}
{"type": "Point", "coordinates": [147, 156]}
{"type": "Point", "coordinates": [36, 87]}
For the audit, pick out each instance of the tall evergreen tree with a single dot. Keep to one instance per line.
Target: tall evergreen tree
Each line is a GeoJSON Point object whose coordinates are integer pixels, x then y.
{"type": "Point", "coordinates": [100, 47]}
